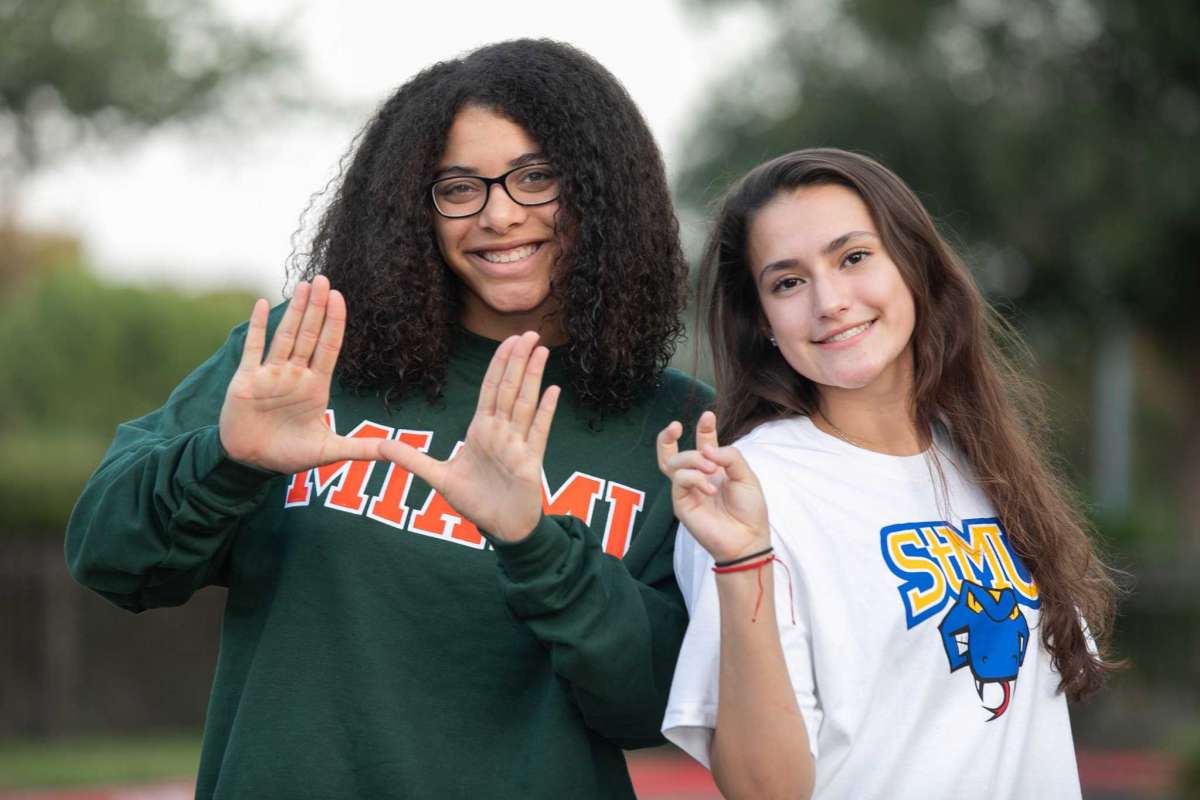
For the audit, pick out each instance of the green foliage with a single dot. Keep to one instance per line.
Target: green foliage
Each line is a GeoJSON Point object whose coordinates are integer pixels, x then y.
{"type": "Point", "coordinates": [1058, 138]}
{"type": "Point", "coordinates": [84, 761]}
{"type": "Point", "coordinates": [81, 356]}
{"type": "Point", "coordinates": [67, 66]}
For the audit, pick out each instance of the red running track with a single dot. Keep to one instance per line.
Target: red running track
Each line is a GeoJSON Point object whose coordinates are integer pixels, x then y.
{"type": "Point", "coordinates": [659, 775]}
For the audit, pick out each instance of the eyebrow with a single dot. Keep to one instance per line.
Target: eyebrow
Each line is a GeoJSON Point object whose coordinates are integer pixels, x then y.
{"type": "Point", "coordinates": [791, 263]}
{"type": "Point", "coordinates": [519, 161]}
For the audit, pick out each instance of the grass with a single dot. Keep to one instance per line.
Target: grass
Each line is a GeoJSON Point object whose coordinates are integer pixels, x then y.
{"type": "Point", "coordinates": [93, 761]}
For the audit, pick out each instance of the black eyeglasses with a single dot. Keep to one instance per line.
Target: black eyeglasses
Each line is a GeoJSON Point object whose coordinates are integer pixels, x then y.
{"type": "Point", "coordinates": [466, 195]}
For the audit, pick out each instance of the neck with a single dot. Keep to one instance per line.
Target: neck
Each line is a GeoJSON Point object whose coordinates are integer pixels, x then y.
{"type": "Point", "coordinates": [873, 420]}
{"type": "Point", "coordinates": [499, 328]}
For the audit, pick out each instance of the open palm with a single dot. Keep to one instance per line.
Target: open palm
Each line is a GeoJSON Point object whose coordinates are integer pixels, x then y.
{"type": "Point", "coordinates": [274, 411]}
{"type": "Point", "coordinates": [495, 479]}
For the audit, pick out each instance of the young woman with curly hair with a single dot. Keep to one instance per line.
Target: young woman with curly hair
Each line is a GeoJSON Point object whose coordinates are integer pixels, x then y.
{"type": "Point", "coordinates": [940, 583]}
{"type": "Point", "coordinates": [493, 613]}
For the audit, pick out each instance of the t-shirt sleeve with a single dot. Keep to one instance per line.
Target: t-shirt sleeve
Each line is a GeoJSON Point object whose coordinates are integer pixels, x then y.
{"type": "Point", "coordinates": [691, 715]}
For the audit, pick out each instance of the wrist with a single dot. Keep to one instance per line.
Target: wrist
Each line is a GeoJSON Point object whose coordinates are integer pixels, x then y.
{"type": "Point", "coordinates": [515, 533]}
{"type": "Point", "coordinates": [742, 562]}
{"type": "Point", "coordinates": [760, 544]}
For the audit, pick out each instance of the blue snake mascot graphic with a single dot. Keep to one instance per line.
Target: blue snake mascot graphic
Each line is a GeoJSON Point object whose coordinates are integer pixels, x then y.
{"type": "Point", "coordinates": [986, 630]}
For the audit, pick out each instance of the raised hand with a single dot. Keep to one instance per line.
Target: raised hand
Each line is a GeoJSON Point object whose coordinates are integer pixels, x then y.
{"type": "Point", "coordinates": [495, 479]}
{"type": "Point", "coordinates": [274, 412]}
{"type": "Point", "coordinates": [714, 492]}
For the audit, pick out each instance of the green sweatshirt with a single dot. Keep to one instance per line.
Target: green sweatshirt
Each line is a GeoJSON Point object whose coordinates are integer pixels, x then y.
{"type": "Point", "coordinates": [374, 643]}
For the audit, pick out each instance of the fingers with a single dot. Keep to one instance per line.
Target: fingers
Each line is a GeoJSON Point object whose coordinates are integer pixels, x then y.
{"type": "Point", "coordinates": [330, 342]}
{"type": "Point", "coordinates": [343, 448]}
{"type": "Point", "coordinates": [731, 459]}
{"type": "Point", "coordinates": [667, 445]}
{"type": "Point", "coordinates": [491, 379]}
{"type": "Point", "coordinates": [285, 334]}
{"type": "Point", "coordinates": [539, 430]}
{"type": "Point", "coordinates": [512, 381]}
{"type": "Point", "coordinates": [689, 470]}
{"type": "Point", "coordinates": [425, 467]}
{"type": "Point", "coordinates": [691, 459]}
{"type": "Point", "coordinates": [526, 404]}
{"type": "Point", "coordinates": [706, 431]}
{"type": "Point", "coordinates": [312, 322]}
{"type": "Point", "coordinates": [687, 480]}
{"type": "Point", "coordinates": [256, 335]}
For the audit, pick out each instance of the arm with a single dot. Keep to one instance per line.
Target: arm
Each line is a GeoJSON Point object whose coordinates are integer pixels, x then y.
{"type": "Point", "coordinates": [612, 626]}
{"type": "Point", "coordinates": [157, 519]}
{"type": "Point", "coordinates": [760, 745]}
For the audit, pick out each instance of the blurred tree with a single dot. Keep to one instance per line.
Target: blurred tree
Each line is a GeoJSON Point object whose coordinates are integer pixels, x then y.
{"type": "Point", "coordinates": [114, 68]}
{"type": "Point", "coordinates": [1060, 139]}
{"type": "Point", "coordinates": [80, 356]}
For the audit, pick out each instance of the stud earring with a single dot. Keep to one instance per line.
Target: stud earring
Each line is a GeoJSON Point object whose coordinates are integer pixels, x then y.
{"type": "Point", "coordinates": [773, 342]}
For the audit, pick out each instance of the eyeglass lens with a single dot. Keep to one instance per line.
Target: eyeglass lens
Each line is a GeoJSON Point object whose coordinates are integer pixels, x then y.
{"type": "Point", "coordinates": [463, 196]}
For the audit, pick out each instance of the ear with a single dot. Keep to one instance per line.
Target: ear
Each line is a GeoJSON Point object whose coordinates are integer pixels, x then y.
{"type": "Point", "coordinates": [764, 328]}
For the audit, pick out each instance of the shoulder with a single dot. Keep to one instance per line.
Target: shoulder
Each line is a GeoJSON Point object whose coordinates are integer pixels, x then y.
{"type": "Point", "coordinates": [675, 386]}
{"type": "Point", "coordinates": [675, 395]}
{"type": "Point", "coordinates": [237, 336]}
{"type": "Point", "coordinates": [793, 439]}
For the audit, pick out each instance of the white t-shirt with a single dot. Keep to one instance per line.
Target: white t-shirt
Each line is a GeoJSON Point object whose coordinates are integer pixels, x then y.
{"type": "Point", "coordinates": [904, 597]}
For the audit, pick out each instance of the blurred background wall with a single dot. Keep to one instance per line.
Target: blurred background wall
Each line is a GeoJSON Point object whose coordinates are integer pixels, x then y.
{"type": "Point", "coordinates": [157, 158]}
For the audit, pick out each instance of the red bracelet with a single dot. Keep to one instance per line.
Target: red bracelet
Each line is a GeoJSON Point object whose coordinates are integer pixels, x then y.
{"type": "Point", "coordinates": [758, 565]}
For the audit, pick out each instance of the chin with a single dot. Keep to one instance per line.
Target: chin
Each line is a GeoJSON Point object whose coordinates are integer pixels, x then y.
{"type": "Point", "coordinates": [850, 379]}
{"type": "Point", "coordinates": [519, 304]}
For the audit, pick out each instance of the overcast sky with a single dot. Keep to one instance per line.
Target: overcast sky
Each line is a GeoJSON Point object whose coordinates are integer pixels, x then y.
{"type": "Point", "coordinates": [220, 212]}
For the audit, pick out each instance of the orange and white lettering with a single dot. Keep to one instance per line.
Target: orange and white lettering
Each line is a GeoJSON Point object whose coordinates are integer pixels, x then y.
{"type": "Point", "coordinates": [300, 490]}
{"type": "Point", "coordinates": [438, 518]}
{"type": "Point", "coordinates": [624, 502]}
{"type": "Point", "coordinates": [351, 476]}
{"type": "Point", "coordinates": [577, 497]}
{"type": "Point", "coordinates": [389, 506]}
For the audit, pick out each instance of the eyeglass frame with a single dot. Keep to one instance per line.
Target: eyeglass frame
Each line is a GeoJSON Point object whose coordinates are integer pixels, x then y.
{"type": "Point", "coordinates": [488, 183]}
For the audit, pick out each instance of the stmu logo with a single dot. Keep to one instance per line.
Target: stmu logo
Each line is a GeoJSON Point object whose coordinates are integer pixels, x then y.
{"type": "Point", "coordinates": [343, 485]}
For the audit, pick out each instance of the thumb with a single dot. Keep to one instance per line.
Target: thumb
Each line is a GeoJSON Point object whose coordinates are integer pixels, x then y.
{"type": "Point", "coordinates": [424, 467]}
{"type": "Point", "coordinates": [343, 448]}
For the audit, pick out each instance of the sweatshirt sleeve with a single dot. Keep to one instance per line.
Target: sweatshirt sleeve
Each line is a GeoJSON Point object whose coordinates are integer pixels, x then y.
{"type": "Point", "coordinates": [156, 520]}
{"type": "Point", "coordinates": [613, 626]}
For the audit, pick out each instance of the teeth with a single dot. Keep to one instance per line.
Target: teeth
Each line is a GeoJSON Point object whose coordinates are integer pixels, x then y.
{"type": "Point", "coordinates": [844, 335]}
{"type": "Point", "coordinates": [508, 256]}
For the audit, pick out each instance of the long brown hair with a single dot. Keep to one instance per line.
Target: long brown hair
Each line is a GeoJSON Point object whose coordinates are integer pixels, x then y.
{"type": "Point", "coordinates": [963, 381]}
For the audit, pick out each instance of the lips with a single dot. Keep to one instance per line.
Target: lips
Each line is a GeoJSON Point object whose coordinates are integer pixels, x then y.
{"type": "Point", "coordinates": [508, 255]}
{"type": "Point", "coordinates": [846, 333]}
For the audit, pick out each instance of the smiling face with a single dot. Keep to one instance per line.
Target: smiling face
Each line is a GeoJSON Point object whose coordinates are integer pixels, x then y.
{"type": "Point", "coordinates": [832, 296]}
{"type": "Point", "coordinates": [504, 255]}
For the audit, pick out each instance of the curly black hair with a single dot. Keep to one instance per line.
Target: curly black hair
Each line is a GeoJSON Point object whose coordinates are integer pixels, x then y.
{"type": "Point", "coordinates": [620, 280]}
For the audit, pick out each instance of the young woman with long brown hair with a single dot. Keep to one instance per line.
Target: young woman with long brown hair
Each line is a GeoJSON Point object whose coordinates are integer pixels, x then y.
{"type": "Point", "coordinates": [941, 592]}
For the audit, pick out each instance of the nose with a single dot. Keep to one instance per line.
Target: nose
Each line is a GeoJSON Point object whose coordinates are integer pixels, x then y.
{"type": "Point", "coordinates": [830, 295]}
{"type": "Point", "coordinates": [501, 212]}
